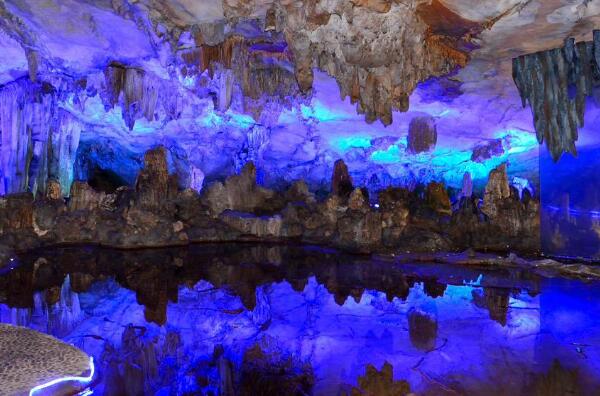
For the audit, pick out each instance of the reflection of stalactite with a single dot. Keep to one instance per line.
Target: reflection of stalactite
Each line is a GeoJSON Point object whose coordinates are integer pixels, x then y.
{"type": "Point", "coordinates": [64, 314]}
{"type": "Point", "coordinates": [495, 300]}
{"type": "Point", "coordinates": [556, 84]}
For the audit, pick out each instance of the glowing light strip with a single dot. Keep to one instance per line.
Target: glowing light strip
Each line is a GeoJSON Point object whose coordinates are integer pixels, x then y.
{"type": "Point", "coordinates": [83, 380]}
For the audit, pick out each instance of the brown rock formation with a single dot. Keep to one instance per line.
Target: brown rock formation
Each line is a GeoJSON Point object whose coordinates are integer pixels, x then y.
{"type": "Point", "coordinates": [84, 197]}
{"type": "Point", "coordinates": [496, 191]}
{"type": "Point", "coordinates": [437, 198]}
{"type": "Point", "coordinates": [422, 134]}
{"type": "Point", "coordinates": [241, 193]}
{"type": "Point", "coordinates": [380, 383]}
{"type": "Point", "coordinates": [341, 181]}
{"type": "Point", "coordinates": [152, 184]}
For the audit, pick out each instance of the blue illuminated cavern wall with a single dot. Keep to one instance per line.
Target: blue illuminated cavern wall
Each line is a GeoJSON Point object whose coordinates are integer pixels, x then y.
{"type": "Point", "coordinates": [65, 131]}
{"type": "Point", "coordinates": [570, 196]}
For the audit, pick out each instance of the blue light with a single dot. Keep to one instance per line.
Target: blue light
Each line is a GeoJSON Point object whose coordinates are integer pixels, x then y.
{"type": "Point", "coordinates": [82, 380]}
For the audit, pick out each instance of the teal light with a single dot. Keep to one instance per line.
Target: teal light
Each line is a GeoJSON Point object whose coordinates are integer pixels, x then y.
{"type": "Point", "coordinates": [389, 156]}
{"type": "Point", "coordinates": [518, 141]}
{"type": "Point", "coordinates": [346, 143]}
{"type": "Point", "coordinates": [319, 112]}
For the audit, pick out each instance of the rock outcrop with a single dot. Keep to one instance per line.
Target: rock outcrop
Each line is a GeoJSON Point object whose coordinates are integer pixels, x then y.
{"type": "Point", "coordinates": [156, 213]}
{"type": "Point", "coordinates": [341, 181]}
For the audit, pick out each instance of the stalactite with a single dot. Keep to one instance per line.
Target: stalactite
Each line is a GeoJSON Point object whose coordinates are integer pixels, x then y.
{"type": "Point", "coordinates": [262, 72]}
{"type": "Point", "coordinates": [26, 117]}
{"type": "Point", "coordinates": [134, 90]}
{"type": "Point", "coordinates": [556, 84]}
{"type": "Point", "coordinates": [64, 140]}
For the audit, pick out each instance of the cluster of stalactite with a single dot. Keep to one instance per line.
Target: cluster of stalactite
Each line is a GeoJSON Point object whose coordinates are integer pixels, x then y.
{"type": "Point", "coordinates": [556, 84]}
{"type": "Point", "coordinates": [255, 76]}
{"type": "Point", "coordinates": [39, 139]}
{"type": "Point", "coordinates": [139, 94]}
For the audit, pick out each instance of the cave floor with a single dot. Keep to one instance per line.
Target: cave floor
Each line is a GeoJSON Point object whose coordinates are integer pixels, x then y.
{"type": "Point", "coordinates": [278, 319]}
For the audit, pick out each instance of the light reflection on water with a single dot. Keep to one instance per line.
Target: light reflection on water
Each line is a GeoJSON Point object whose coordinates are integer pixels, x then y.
{"type": "Point", "coordinates": [183, 321]}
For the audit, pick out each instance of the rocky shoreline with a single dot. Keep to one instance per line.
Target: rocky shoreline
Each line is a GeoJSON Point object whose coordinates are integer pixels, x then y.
{"type": "Point", "coordinates": [155, 213]}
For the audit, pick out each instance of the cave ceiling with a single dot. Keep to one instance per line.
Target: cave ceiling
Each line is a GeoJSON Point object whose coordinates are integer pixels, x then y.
{"type": "Point", "coordinates": [135, 68]}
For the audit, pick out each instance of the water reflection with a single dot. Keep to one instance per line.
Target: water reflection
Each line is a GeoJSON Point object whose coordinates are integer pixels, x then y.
{"type": "Point", "coordinates": [265, 320]}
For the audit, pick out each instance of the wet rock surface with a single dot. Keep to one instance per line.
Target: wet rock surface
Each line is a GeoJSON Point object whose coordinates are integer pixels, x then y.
{"type": "Point", "coordinates": [157, 213]}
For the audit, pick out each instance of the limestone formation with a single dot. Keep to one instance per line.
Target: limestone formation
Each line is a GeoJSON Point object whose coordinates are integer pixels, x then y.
{"type": "Point", "coordinates": [341, 181]}
{"type": "Point", "coordinates": [496, 191]}
{"type": "Point", "coordinates": [16, 212]}
{"type": "Point", "coordinates": [153, 182]}
{"type": "Point", "coordinates": [380, 382]}
{"type": "Point", "coordinates": [437, 198]}
{"type": "Point", "coordinates": [156, 213]}
{"type": "Point", "coordinates": [556, 84]}
{"type": "Point", "coordinates": [84, 197]}
{"type": "Point", "coordinates": [485, 151]}
{"type": "Point", "coordinates": [422, 135]}
{"type": "Point", "coordinates": [239, 193]}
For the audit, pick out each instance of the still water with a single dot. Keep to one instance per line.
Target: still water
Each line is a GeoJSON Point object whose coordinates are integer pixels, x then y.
{"type": "Point", "coordinates": [273, 320]}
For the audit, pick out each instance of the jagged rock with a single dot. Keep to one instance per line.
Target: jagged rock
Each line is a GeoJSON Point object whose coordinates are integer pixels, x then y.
{"type": "Point", "coordinates": [341, 181]}
{"type": "Point", "coordinates": [196, 179]}
{"type": "Point", "coordinates": [375, 5]}
{"type": "Point", "coordinates": [153, 182]}
{"type": "Point", "coordinates": [361, 232]}
{"type": "Point", "coordinates": [358, 200]}
{"type": "Point", "coordinates": [137, 91]}
{"type": "Point", "coordinates": [393, 203]}
{"type": "Point", "coordinates": [380, 383]}
{"type": "Point", "coordinates": [53, 190]}
{"type": "Point", "coordinates": [437, 198]}
{"type": "Point", "coordinates": [84, 197]}
{"type": "Point", "coordinates": [556, 84]}
{"type": "Point", "coordinates": [298, 192]}
{"type": "Point", "coordinates": [259, 226]}
{"type": "Point", "coordinates": [422, 134]}
{"type": "Point", "coordinates": [16, 212]}
{"type": "Point", "coordinates": [488, 150]}
{"type": "Point", "coordinates": [241, 193]}
{"type": "Point", "coordinates": [496, 190]}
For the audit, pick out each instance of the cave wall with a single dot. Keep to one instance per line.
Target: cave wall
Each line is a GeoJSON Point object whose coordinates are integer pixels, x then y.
{"type": "Point", "coordinates": [71, 130]}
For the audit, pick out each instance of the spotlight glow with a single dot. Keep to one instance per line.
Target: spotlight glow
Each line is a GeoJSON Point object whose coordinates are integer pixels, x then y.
{"type": "Point", "coordinates": [82, 380]}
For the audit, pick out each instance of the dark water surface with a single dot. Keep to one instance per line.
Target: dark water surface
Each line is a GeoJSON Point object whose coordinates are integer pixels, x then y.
{"type": "Point", "coordinates": [273, 320]}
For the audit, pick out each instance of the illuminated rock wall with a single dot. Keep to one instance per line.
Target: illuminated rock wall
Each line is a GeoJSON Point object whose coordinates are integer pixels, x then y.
{"type": "Point", "coordinates": [78, 130]}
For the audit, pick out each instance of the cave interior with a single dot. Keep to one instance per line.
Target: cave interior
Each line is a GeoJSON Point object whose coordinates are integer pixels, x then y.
{"type": "Point", "coordinates": [419, 129]}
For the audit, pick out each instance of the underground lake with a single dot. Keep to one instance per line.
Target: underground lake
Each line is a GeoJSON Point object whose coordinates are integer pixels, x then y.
{"type": "Point", "coordinates": [269, 319]}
